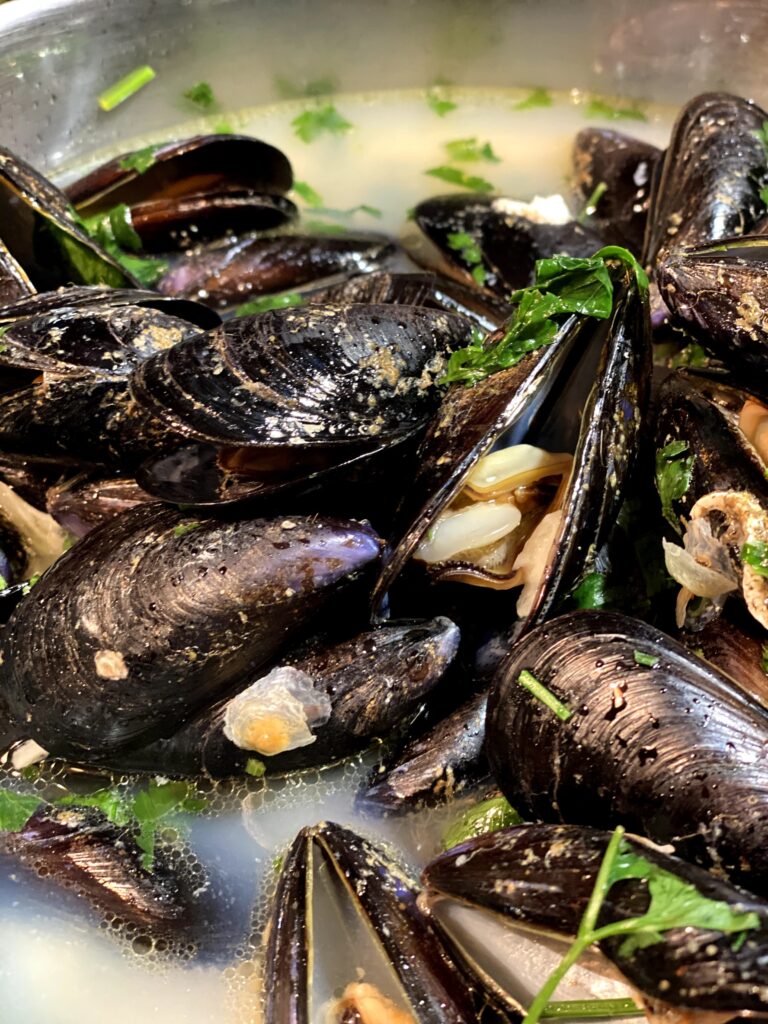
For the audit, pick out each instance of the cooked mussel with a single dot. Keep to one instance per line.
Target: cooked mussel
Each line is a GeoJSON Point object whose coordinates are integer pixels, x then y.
{"type": "Point", "coordinates": [86, 500]}
{"type": "Point", "coordinates": [332, 876]}
{"type": "Point", "coordinates": [639, 732]}
{"type": "Point", "coordinates": [155, 615]}
{"type": "Point", "coordinates": [14, 283]}
{"type": "Point", "coordinates": [736, 649]}
{"type": "Point", "coordinates": [541, 877]}
{"type": "Point", "coordinates": [708, 186]}
{"type": "Point", "coordinates": [322, 703]}
{"type": "Point", "coordinates": [519, 476]}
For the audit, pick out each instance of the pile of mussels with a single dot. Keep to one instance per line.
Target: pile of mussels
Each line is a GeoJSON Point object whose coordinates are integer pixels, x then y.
{"type": "Point", "coordinates": [288, 537]}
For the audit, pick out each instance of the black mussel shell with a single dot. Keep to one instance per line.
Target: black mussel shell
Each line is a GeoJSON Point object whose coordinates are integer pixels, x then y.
{"type": "Point", "coordinates": [736, 650]}
{"type": "Point", "coordinates": [709, 182]}
{"type": "Point", "coordinates": [43, 236]}
{"type": "Point", "coordinates": [542, 876]}
{"type": "Point", "coordinates": [626, 166]}
{"type": "Point", "coordinates": [395, 940]}
{"type": "Point", "coordinates": [85, 501]}
{"type": "Point", "coordinates": [421, 289]}
{"type": "Point", "coordinates": [657, 740]}
{"type": "Point", "coordinates": [14, 283]}
{"type": "Point", "coordinates": [508, 241]}
{"type": "Point", "coordinates": [233, 272]}
{"type": "Point", "coordinates": [375, 684]}
{"type": "Point", "coordinates": [155, 615]}
{"type": "Point", "coordinates": [434, 768]}
{"type": "Point", "coordinates": [720, 294]}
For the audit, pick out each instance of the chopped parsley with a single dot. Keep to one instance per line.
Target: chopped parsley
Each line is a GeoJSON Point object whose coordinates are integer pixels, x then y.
{"type": "Point", "coordinates": [598, 107]}
{"type": "Point", "coordinates": [139, 160]}
{"type": "Point", "coordinates": [545, 696]}
{"type": "Point", "coordinates": [467, 151]}
{"type": "Point", "coordinates": [761, 134]}
{"type": "Point", "coordinates": [320, 120]}
{"type": "Point", "coordinates": [455, 176]}
{"type": "Point", "coordinates": [267, 302]}
{"type": "Point", "coordinates": [223, 128]}
{"type": "Point", "coordinates": [437, 101]}
{"type": "Point", "coordinates": [201, 95]}
{"type": "Point", "coordinates": [469, 251]}
{"type": "Point", "coordinates": [255, 768]}
{"type": "Point", "coordinates": [126, 87]}
{"type": "Point", "coordinates": [307, 193]}
{"type": "Point", "coordinates": [115, 233]}
{"type": "Point", "coordinates": [756, 556]}
{"type": "Point", "coordinates": [764, 658]}
{"type": "Point", "coordinates": [535, 98]}
{"type": "Point", "coordinates": [591, 592]}
{"type": "Point", "coordinates": [183, 528]}
{"type": "Point", "coordinates": [649, 660]}
{"type": "Point", "coordinates": [764, 194]}
{"type": "Point", "coordinates": [673, 478]}
{"type": "Point", "coordinates": [487, 816]}
{"type": "Point", "coordinates": [690, 355]}
{"type": "Point", "coordinates": [16, 809]}
{"type": "Point", "coordinates": [3, 583]}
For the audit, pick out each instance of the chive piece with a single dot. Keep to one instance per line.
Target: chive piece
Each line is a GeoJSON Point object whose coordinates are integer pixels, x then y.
{"type": "Point", "coordinates": [650, 660]}
{"type": "Point", "coordinates": [566, 1008]}
{"type": "Point", "coordinates": [591, 592]}
{"type": "Point", "coordinates": [255, 768]}
{"type": "Point", "coordinates": [756, 556]}
{"type": "Point", "coordinates": [541, 693]}
{"type": "Point", "coordinates": [535, 98]}
{"type": "Point", "coordinates": [455, 176]}
{"type": "Point", "coordinates": [308, 194]}
{"type": "Point", "coordinates": [201, 95]}
{"type": "Point", "coordinates": [126, 87]}
{"type": "Point", "coordinates": [598, 107]}
{"type": "Point", "coordinates": [591, 204]}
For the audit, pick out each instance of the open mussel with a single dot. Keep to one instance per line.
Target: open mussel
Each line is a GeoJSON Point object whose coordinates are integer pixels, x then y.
{"type": "Point", "coordinates": [706, 952]}
{"type": "Point", "coordinates": [736, 648]}
{"type": "Point", "coordinates": [85, 501]}
{"type": "Point", "coordinates": [321, 704]}
{"type": "Point", "coordinates": [600, 719]}
{"type": "Point", "coordinates": [712, 436]}
{"type": "Point", "coordinates": [386, 951]}
{"type": "Point", "coordinates": [520, 475]}
{"type": "Point", "coordinates": [710, 179]}
{"type": "Point", "coordinates": [155, 615]}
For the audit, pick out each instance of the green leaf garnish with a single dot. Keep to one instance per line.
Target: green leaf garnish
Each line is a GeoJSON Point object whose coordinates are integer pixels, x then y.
{"type": "Point", "coordinates": [255, 768]}
{"type": "Point", "coordinates": [319, 120]}
{"type": "Point", "coordinates": [761, 134]}
{"type": "Point", "coordinates": [267, 302]}
{"type": "Point", "coordinates": [126, 87]}
{"type": "Point", "coordinates": [115, 233]}
{"type": "Point", "coordinates": [467, 151]}
{"type": "Point", "coordinates": [756, 556]}
{"type": "Point", "coordinates": [184, 528]}
{"type": "Point", "coordinates": [591, 592]}
{"type": "Point", "coordinates": [16, 809]}
{"type": "Point", "coordinates": [223, 128]}
{"type": "Point", "coordinates": [3, 583]}
{"type": "Point", "coordinates": [764, 195]}
{"type": "Point", "coordinates": [764, 658]}
{"type": "Point", "coordinates": [289, 90]}
{"type": "Point", "coordinates": [535, 98]}
{"type": "Point", "coordinates": [541, 693]}
{"type": "Point", "coordinates": [469, 251]}
{"type": "Point", "coordinates": [140, 160]}
{"type": "Point", "coordinates": [307, 193]}
{"type": "Point", "coordinates": [436, 100]}
{"type": "Point", "coordinates": [690, 355]}
{"type": "Point", "coordinates": [598, 107]}
{"type": "Point", "coordinates": [455, 176]}
{"type": "Point", "coordinates": [201, 95]}
{"type": "Point", "coordinates": [566, 1009]}
{"type": "Point", "coordinates": [673, 478]}
{"type": "Point", "coordinates": [487, 816]}
{"type": "Point", "coordinates": [649, 660]}
{"type": "Point", "coordinates": [591, 204]}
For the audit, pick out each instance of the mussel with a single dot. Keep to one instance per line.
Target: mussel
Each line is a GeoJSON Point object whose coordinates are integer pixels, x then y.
{"type": "Point", "coordinates": [155, 615]}
{"type": "Point", "coordinates": [82, 502]}
{"type": "Point", "coordinates": [631, 728]}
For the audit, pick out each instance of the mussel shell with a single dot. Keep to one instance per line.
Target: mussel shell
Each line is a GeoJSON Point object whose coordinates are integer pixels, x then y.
{"type": "Point", "coordinates": [736, 650]}
{"type": "Point", "coordinates": [376, 682]}
{"type": "Point", "coordinates": [153, 616]}
{"type": "Point", "coordinates": [673, 751]}
{"type": "Point", "coordinates": [542, 876]}
{"type": "Point", "coordinates": [181, 168]}
{"type": "Point", "coordinates": [626, 166]}
{"type": "Point", "coordinates": [14, 283]}
{"type": "Point", "coordinates": [236, 271]}
{"type": "Point", "coordinates": [85, 501]}
{"type": "Point", "coordinates": [709, 182]}
{"type": "Point", "coordinates": [720, 294]}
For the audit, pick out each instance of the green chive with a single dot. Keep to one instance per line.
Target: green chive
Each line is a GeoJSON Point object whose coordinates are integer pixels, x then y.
{"type": "Point", "coordinates": [255, 767]}
{"type": "Point", "coordinates": [646, 659]}
{"type": "Point", "coordinates": [567, 1008]}
{"type": "Point", "coordinates": [126, 87]}
{"type": "Point", "coordinates": [591, 204]}
{"type": "Point", "coordinates": [541, 693]}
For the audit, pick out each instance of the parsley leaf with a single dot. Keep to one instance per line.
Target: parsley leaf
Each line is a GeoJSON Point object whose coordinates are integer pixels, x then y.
{"type": "Point", "coordinates": [591, 592]}
{"type": "Point", "coordinates": [764, 658]}
{"type": "Point", "coordinates": [183, 528]}
{"type": "Point", "coordinates": [467, 151]}
{"type": "Point", "coordinates": [673, 478]}
{"type": "Point", "coordinates": [307, 193]}
{"type": "Point", "coordinates": [16, 809]}
{"type": "Point", "coordinates": [267, 302]}
{"type": "Point", "coordinates": [312, 123]}
{"type": "Point", "coordinates": [487, 816]}
{"type": "Point", "coordinates": [469, 251]}
{"type": "Point", "coordinates": [115, 233]}
{"type": "Point", "coordinates": [764, 195]}
{"type": "Point", "coordinates": [535, 98]}
{"type": "Point", "coordinates": [762, 135]}
{"type": "Point", "coordinates": [584, 285]}
{"type": "Point", "coordinates": [756, 556]}
{"type": "Point", "coordinates": [140, 160]}
{"type": "Point", "coordinates": [690, 355]}
{"type": "Point", "coordinates": [201, 95]}
{"type": "Point", "coordinates": [255, 767]}
{"type": "Point", "coordinates": [455, 176]}
{"type": "Point", "coordinates": [436, 101]}
{"type": "Point", "coordinates": [598, 107]}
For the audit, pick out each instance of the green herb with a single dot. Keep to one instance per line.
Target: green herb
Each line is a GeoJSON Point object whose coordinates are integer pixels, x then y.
{"type": "Point", "coordinates": [319, 120]}
{"type": "Point", "coordinates": [267, 302]}
{"type": "Point", "coordinates": [535, 98]}
{"type": "Point", "coordinates": [86, 265]}
{"type": "Point", "coordinates": [35, 578]}
{"type": "Point", "coordinates": [16, 809]}
{"type": "Point", "coordinates": [255, 768]}
{"type": "Point", "coordinates": [126, 87]}
{"type": "Point", "coordinates": [761, 134]}
{"type": "Point", "coordinates": [591, 592]}
{"type": "Point", "coordinates": [146, 269]}
{"type": "Point", "coordinates": [649, 660]}
{"type": "Point", "coordinates": [541, 693]}
{"type": "Point", "coordinates": [598, 107]}
{"type": "Point", "coordinates": [223, 128]}
{"type": "Point", "coordinates": [3, 583]}
{"type": "Point", "coordinates": [591, 204]}
{"type": "Point", "coordinates": [182, 528]}
{"type": "Point", "coordinates": [691, 355]}
{"type": "Point", "coordinates": [487, 816]}
{"type": "Point", "coordinates": [764, 658]}
{"type": "Point", "coordinates": [113, 803]}
{"type": "Point", "coordinates": [455, 176]}
{"type": "Point", "coordinates": [673, 904]}
{"type": "Point", "coordinates": [140, 160]}
{"type": "Point", "coordinates": [436, 101]}
{"type": "Point", "coordinates": [289, 90]}
{"type": "Point", "coordinates": [307, 193]}
{"type": "Point", "coordinates": [756, 556]}
{"type": "Point", "coordinates": [764, 195]}
{"type": "Point", "coordinates": [468, 249]}
{"type": "Point", "coordinates": [115, 233]}
{"type": "Point", "coordinates": [327, 211]}
{"type": "Point", "coordinates": [201, 95]}
{"type": "Point", "coordinates": [580, 1008]}
{"type": "Point", "coordinates": [322, 227]}
{"type": "Point", "coordinates": [673, 478]}
{"type": "Point", "coordinates": [467, 151]}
